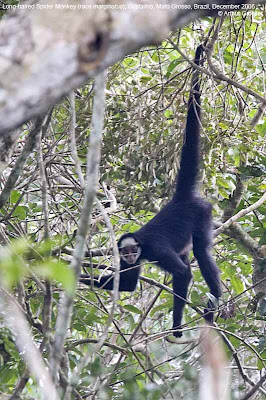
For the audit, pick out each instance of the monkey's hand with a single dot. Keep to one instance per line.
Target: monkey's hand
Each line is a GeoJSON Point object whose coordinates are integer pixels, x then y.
{"type": "Point", "coordinates": [178, 334]}
{"type": "Point", "coordinates": [211, 307]}
{"type": "Point", "coordinates": [87, 280]}
{"type": "Point", "coordinates": [93, 281]}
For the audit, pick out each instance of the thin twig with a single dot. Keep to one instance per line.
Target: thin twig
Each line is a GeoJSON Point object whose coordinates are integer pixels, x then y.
{"type": "Point", "coordinates": [47, 305]}
{"type": "Point", "coordinates": [18, 167]}
{"type": "Point", "coordinates": [220, 77]}
{"type": "Point", "coordinates": [72, 134]}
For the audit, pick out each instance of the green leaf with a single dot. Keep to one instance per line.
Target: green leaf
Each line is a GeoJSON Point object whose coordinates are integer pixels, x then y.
{"type": "Point", "coordinates": [260, 363]}
{"type": "Point", "coordinates": [96, 367]}
{"type": "Point", "coordinates": [223, 182]}
{"type": "Point", "coordinates": [144, 79]}
{"type": "Point", "coordinates": [161, 307]}
{"type": "Point", "coordinates": [130, 62]}
{"type": "Point", "coordinates": [168, 113]}
{"type": "Point", "coordinates": [261, 129]}
{"type": "Point", "coordinates": [223, 193]}
{"type": "Point", "coordinates": [252, 170]}
{"type": "Point", "coordinates": [195, 297]}
{"type": "Point", "coordinates": [14, 196]}
{"type": "Point", "coordinates": [173, 64]}
{"type": "Point", "coordinates": [145, 71]}
{"type": "Point", "coordinates": [6, 374]}
{"type": "Point", "coordinates": [57, 270]}
{"type": "Point", "coordinates": [155, 57]}
{"type": "Point", "coordinates": [133, 309]}
{"type": "Point", "coordinates": [12, 264]}
{"type": "Point", "coordinates": [20, 212]}
{"type": "Point", "coordinates": [237, 284]}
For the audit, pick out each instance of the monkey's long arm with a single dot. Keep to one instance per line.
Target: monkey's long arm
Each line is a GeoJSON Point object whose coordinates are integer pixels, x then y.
{"type": "Point", "coordinates": [128, 279]}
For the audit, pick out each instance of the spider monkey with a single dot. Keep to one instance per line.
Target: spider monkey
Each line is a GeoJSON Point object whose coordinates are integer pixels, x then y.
{"type": "Point", "coordinates": [185, 222]}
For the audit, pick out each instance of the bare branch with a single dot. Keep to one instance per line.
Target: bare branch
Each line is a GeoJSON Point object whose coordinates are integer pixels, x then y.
{"type": "Point", "coordinates": [93, 160]}
{"type": "Point", "coordinates": [41, 123]}
{"type": "Point", "coordinates": [17, 323]}
{"type": "Point", "coordinates": [43, 184]}
{"type": "Point", "coordinates": [115, 296]}
{"type": "Point", "coordinates": [240, 214]}
{"type": "Point", "coordinates": [7, 144]}
{"type": "Point", "coordinates": [20, 385]}
{"type": "Point", "coordinates": [72, 135]}
{"type": "Point", "coordinates": [221, 77]}
{"type": "Point", "coordinates": [47, 305]}
{"type": "Point", "coordinates": [234, 200]}
{"type": "Point", "coordinates": [255, 388]}
{"type": "Point", "coordinates": [88, 253]}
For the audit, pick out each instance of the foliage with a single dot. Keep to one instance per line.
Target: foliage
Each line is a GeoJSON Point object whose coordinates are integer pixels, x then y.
{"type": "Point", "coordinates": [147, 94]}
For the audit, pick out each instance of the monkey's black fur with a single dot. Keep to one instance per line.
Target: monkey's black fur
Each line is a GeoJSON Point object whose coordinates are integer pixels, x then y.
{"type": "Point", "coordinates": [186, 220]}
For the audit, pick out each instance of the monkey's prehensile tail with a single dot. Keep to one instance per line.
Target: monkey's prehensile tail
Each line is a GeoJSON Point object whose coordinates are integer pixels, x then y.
{"type": "Point", "coordinates": [187, 175]}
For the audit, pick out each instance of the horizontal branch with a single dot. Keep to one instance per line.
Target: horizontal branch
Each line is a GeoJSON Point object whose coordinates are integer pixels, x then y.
{"type": "Point", "coordinates": [42, 60]}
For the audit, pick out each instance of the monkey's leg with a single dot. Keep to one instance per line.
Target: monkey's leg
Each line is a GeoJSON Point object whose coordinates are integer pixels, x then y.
{"type": "Point", "coordinates": [208, 267]}
{"type": "Point", "coordinates": [180, 270]}
{"type": "Point", "coordinates": [180, 288]}
{"type": "Point", "coordinates": [209, 270]}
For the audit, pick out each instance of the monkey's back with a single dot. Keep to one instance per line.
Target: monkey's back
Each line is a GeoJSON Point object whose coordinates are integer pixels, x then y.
{"type": "Point", "coordinates": [174, 224]}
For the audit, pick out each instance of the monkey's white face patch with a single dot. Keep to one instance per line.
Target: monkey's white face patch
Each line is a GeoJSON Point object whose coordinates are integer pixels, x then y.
{"type": "Point", "coordinates": [129, 250]}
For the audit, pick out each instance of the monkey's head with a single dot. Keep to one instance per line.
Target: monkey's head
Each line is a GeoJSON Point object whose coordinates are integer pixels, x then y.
{"type": "Point", "coordinates": [129, 248]}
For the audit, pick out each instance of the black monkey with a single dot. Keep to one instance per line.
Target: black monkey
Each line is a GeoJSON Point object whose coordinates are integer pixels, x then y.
{"type": "Point", "coordinates": [185, 222]}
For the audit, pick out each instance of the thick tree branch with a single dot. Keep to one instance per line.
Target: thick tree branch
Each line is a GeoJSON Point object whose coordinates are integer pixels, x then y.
{"type": "Point", "coordinates": [7, 144]}
{"type": "Point", "coordinates": [18, 325]}
{"type": "Point", "coordinates": [41, 60]}
{"type": "Point", "coordinates": [255, 388]}
{"type": "Point", "coordinates": [93, 160]}
{"type": "Point", "coordinates": [115, 295]}
{"type": "Point", "coordinates": [237, 232]}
